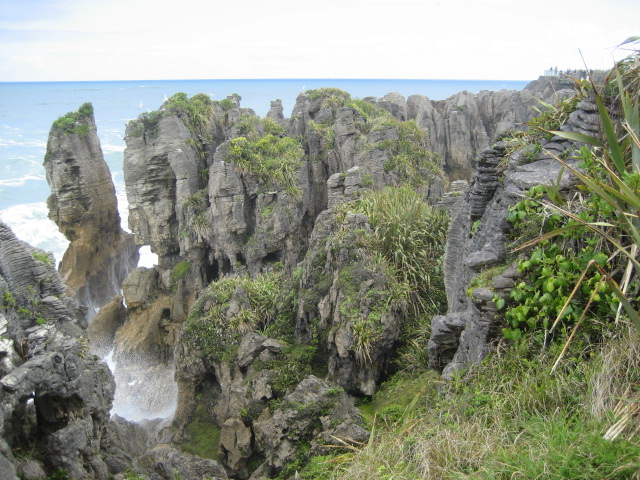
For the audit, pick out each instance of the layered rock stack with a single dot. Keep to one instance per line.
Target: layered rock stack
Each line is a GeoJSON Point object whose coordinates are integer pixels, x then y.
{"type": "Point", "coordinates": [55, 396]}
{"type": "Point", "coordinates": [478, 235]}
{"type": "Point", "coordinates": [83, 205]}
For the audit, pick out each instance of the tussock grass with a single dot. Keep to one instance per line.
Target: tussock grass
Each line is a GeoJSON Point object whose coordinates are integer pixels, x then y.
{"type": "Point", "coordinates": [506, 418]}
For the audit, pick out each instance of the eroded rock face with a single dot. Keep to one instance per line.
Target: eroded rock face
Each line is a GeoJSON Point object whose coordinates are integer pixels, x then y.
{"type": "Point", "coordinates": [199, 208]}
{"type": "Point", "coordinates": [55, 396]}
{"type": "Point", "coordinates": [83, 205]}
{"type": "Point", "coordinates": [467, 332]}
{"type": "Point", "coordinates": [338, 297]}
{"type": "Point", "coordinates": [463, 125]}
{"type": "Point", "coordinates": [314, 412]}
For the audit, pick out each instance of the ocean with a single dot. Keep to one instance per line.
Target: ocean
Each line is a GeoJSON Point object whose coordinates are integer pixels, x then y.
{"type": "Point", "coordinates": [28, 109]}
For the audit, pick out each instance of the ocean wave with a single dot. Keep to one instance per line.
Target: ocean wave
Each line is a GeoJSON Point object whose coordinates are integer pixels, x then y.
{"type": "Point", "coordinates": [147, 258]}
{"type": "Point", "coordinates": [31, 224]}
{"type": "Point", "coordinates": [27, 143]}
{"type": "Point", "coordinates": [112, 148]}
{"type": "Point", "coordinates": [18, 182]}
{"type": "Point", "coordinates": [123, 209]}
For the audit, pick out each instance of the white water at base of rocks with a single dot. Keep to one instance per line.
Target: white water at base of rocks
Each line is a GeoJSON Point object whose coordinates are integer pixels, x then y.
{"type": "Point", "coordinates": [147, 258]}
{"type": "Point", "coordinates": [143, 392]}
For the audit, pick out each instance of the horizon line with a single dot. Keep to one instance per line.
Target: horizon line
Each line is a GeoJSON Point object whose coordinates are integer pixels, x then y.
{"type": "Point", "coordinates": [280, 79]}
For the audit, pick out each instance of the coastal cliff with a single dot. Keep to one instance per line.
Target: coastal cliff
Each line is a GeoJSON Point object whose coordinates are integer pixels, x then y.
{"type": "Point", "coordinates": [55, 396]}
{"type": "Point", "coordinates": [83, 205]}
{"type": "Point", "coordinates": [302, 262]}
{"type": "Point", "coordinates": [232, 203]}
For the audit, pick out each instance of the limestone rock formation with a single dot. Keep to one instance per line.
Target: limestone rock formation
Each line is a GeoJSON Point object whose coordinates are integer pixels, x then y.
{"type": "Point", "coordinates": [83, 205]}
{"type": "Point", "coordinates": [463, 125]}
{"type": "Point", "coordinates": [209, 196]}
{"type": "Point", "coordinates": [55, 396]}
{"type": "Point", "coordinates": [314, 413]}
{"type": "Point", "coordinates": [336, 291]}
{"type": "Point", "coordinates": [471, 326]}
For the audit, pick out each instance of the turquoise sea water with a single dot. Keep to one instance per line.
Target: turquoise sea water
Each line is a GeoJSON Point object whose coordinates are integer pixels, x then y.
{"type": "Point", "coordinates": [27, 111]}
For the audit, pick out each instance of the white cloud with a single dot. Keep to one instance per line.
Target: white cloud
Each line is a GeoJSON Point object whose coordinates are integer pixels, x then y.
{"type": "Point", "coordinates": [145, 39]}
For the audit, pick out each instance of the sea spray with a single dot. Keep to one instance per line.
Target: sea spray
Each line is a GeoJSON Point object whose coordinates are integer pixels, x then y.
{"type": "Point", "coordinates": [144, 391]}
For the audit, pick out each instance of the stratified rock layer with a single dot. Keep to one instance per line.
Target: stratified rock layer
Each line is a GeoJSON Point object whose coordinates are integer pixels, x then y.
{"type": "Point", "coordinates": [55, 397]}
{"type": "Point", "coordinates": [83, 205]}
{"type": "Point", "coordinates": [467, 333]}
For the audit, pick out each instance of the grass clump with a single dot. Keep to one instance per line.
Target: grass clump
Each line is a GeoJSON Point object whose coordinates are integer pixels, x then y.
{"type": "Point", "coordinates": [204, 433]}
{"type": "Point", "coordinates": [274, 160]}
{"type": "Point", "coordinates": [42, 256]}
{"type": "Point", "coordinates": [72, 122]}
{"type": "Point", "coordinates": [292, 365]}
{"type": "Point", "coordinates": [180, 270]}
{"type": "Point", "coordinates": [215, 336]}
{"type": "Point", "coordinates": [410, 235]}
{"type": "Point", "coordinates": [504, 418]}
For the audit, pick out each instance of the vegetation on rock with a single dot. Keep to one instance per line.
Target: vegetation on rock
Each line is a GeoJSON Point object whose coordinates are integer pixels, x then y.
{"type": "Point", "coordinates": [70, 123]}
{"type": "Point", "coordinates": [557, 399]}
{"type": "Point", "coordinates": [214, 334]}
{"type": "Point", "coordinates": [274, 160]}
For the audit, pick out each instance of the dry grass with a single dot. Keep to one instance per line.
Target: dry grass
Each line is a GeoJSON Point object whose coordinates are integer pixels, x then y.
{"type": "Point", "coordinates": [615, 386]}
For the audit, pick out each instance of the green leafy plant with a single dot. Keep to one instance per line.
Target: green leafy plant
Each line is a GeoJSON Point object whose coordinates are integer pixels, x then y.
{"type": "Point", "coordinates": [212, 333]}
{"type": "Point", "coordinates": [72, 121]}
{"type": "Point", "coordinates": [274, 160]}
{"type": "Point", "coordinates": [44, 257]}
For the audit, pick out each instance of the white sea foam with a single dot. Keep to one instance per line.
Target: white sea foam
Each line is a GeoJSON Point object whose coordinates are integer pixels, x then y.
{"type": "Point", "coordinates": [22, 143]}
{"type": "Point", "coordinates": [144, 390]}
{"type": "Point", "coordinates": [30, 223]}
{"type": "Point", "coordinates": [18, 182]}
{"type": "Point", "coordinates": [108, 148]}
{"type": "Point", "coordinates": [147, 257]}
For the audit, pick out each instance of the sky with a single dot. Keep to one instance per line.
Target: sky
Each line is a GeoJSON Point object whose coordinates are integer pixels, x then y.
{"type": "Point", "coordinates": [73, 40]}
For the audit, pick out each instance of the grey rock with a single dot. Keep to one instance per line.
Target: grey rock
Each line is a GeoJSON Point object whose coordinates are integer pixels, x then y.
{"type": "Point", "coordinates": [250, 347]}
{"type": "Point", "coordinates": [275, 112]}
{"type": "Point", "coordinates": [276, 435]}
{"type": "Point", "coordinates": [139, 286]}
{"type": "Point", "coordinates": [30, 470]}
{"type": "Point", "coordinates": [235, 445]}
{"type": "Point", "coordinates": [83, 205]}
{"type": "Point", "coordinates": [170, 464]}
{"type": "Point", "coordinates": [102, 328]}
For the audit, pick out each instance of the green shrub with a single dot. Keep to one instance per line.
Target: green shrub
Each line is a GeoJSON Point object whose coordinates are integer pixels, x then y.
{"type": "Point", "coordinates": [44, 257]}
{"type": "Point", "coordinates": [215, 336]}
{"type": "Point", "coordinates": [274, 160]}
{"type": "Point", "coordinates": [556, 265]}
{"type": "Point", "coordinates": [409, 157]}
{"type": "Point", "coordinates": [8, 300]}
{"type": "Point", "coordinates": [71, 122]}
{"type": "Point", "coordinates": [327, 92]}
{"type": "Point", "coordinates": [292, 364]}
